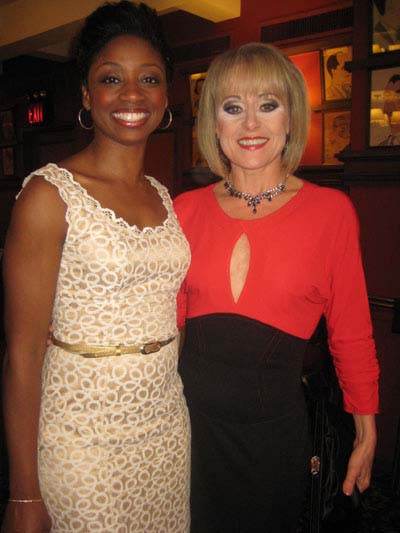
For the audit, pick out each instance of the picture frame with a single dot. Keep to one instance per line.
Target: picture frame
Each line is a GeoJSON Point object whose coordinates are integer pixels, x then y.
{"type": "Point", "coordinates": [384, 120]}
{"type": "Point", "coordinates": [8, 161]}
{"type": "Point", "coordinates": [385, 26]}
{"type": "Point", "coordinates": [336, 135]}
{"type": "Point", "coordinates": [7, 128]}
{"type": "Point", "coordinates": [337, 79]}
{"type": "Point", "coordinates": [309, 63]}
{"type": "Point", "coordinates": [196, 85]}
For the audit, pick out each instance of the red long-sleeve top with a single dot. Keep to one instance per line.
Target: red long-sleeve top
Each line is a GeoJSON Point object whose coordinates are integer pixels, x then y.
{"type": "Point", "coordinates": [305, 262]}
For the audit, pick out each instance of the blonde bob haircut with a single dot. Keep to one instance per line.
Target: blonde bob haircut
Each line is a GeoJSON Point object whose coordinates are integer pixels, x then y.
{"type": "Point", "coordinates": [249, 69]}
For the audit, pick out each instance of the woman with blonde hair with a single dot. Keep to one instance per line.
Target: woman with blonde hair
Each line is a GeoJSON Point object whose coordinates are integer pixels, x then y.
{"type": "Point", "coordinates": [271, 254]}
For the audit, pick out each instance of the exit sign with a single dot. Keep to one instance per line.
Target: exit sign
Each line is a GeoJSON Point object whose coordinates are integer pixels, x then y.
{"type": "Point", "coordinates": [35, 113]}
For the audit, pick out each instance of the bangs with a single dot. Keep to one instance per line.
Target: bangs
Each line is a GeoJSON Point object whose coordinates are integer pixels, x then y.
{"type": "Point", "coordinates": [251, 75]}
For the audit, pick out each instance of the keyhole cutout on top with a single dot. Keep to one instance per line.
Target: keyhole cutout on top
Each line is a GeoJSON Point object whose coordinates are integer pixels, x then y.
{"type": "Point", "coordinates": [239, 266]}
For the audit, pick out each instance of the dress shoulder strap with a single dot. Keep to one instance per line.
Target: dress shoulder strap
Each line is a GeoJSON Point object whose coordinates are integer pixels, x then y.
{"type": "Point", "coordinates": [59, 177]}
{"type": "Point", "coordinates": [163, 193]}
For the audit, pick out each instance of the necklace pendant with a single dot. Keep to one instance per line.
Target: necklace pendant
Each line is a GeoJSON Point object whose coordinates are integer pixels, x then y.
{"type": "Point", "coordinates": [253, 203]}
{"type": "Point", "coordinates": [254, 200]}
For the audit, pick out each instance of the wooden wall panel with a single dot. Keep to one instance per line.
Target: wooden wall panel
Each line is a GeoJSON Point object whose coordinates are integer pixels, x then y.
{"type": "Point", "coordinates": [378, 207]}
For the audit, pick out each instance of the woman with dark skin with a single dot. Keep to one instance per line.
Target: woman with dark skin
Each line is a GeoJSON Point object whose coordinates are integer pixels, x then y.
{"type": "Point", "coordinates": [271, 254]}
{"type": "Point", "coordinates": [97, 426]}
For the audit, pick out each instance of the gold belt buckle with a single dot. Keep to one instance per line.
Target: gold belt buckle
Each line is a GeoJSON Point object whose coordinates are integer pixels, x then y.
{"type": "Point", "coordinates": [150, 347]}
{"type": "Point", "coordinates": [118, 350]}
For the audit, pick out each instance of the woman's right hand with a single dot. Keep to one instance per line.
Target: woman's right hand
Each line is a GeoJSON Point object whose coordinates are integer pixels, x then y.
{"type": "Point", "coordinates": [26, 518]}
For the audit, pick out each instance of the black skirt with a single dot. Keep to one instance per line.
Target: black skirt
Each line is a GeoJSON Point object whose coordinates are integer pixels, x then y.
{"type": "Point", "coordinates": [250, 441]}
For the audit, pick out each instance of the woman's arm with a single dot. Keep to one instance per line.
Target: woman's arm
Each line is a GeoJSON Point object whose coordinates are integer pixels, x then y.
{"type": "Point", "coordinates": [360, 464]}
{"type": "Point", "coordinates": [351, 340]}
{"type": "Point", "coordinates": [31, 263]}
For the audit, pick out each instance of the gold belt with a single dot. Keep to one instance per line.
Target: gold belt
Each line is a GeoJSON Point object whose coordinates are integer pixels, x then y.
{"type": "Point", "coordinates": [106, 351]}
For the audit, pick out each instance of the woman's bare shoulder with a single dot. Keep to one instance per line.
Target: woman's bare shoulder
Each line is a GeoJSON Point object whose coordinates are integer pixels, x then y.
{"type": "Point", "coordinates": [39, 208]}
{"type": "Point", "coordinates": [39, 193]}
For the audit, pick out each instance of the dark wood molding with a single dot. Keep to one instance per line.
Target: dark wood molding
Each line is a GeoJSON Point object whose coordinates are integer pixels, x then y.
{"type": "Point", "coordinates": [375, 61]}
{"type": "Point", "coordinates": [333, 105]}
{"type": "Point", "coordinates": [376, 164]}
{"type": "Point", "coordinates": [308, 26]}
{"type": "Point", "coordinates": [206, 49]}
{"type": "Point", "coordinates": [324, 175]}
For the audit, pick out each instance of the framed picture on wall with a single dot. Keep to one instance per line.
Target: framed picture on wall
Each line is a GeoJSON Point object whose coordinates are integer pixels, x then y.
{"type": "Point", "coordinates": [337, 79]}
{"type": "Point", "coordinates": [385, 107]}
{"type": "Point", "coordinates": [7, 130]}
{"type": "Point", "coordinates": [196, 85]}
{"type": "Point", "coordinates": [385, 25]}
{"type": "Point", "coordinates": [336, 135]}
{"type": "Point", "coordinates": [309, 63]}
{"type": "Point", "coordinates": [7, 159]}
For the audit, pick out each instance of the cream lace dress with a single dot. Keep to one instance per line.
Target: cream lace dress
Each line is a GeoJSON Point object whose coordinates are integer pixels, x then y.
{"type": "Point", "coordinates": [114, 432]}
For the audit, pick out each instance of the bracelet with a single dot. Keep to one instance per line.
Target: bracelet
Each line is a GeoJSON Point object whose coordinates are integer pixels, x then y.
{"type": "Point", "coordinates": [25, 501]}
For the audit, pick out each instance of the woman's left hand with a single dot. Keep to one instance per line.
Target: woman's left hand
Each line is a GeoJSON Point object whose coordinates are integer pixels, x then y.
{"type": "Point", "coordinates": [361, 460]}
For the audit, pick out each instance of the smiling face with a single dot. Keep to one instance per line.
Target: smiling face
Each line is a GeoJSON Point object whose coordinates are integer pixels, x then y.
{"type": "Point", "coordinates": [126, 91]}
{"type": "Point", "coordinates": [252, 128]}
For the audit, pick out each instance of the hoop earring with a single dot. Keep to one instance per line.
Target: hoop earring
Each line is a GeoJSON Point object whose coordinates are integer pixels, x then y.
{"type": "Point", "coordinates": [169, 120]}
{"type": "Point", "coordinates": [82, 125]}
